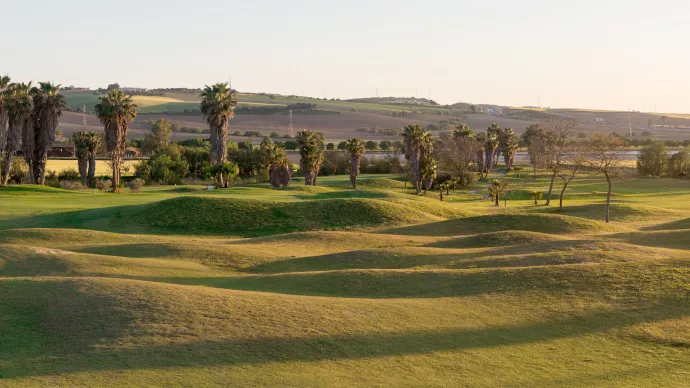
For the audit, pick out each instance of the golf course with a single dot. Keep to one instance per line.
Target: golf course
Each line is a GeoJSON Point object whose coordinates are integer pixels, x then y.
{"type": "Point", "coordinates": [330, 286]}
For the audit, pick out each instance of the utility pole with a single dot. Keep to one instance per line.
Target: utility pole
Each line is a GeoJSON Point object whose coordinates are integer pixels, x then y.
{"type": "Point", "coordinates": [630, 125]}
{"type": "Point", "coordinates": [83, 117]}
{"type": "Point", "coordinates": [292, 128]}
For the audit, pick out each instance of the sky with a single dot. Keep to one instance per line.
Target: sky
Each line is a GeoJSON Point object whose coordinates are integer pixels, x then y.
{"type": "Point", "coordinates": [604, 54]}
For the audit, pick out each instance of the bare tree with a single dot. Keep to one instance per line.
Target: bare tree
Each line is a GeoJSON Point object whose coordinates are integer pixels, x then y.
{"type": "Point", "coordinates": [557, 150]}
{"type": "Point", "coordinates": [605, 155]}
{"type": "Point", "coordinates": [576, 158]}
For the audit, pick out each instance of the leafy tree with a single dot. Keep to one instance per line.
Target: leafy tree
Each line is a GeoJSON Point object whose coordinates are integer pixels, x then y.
{"type": "Point", "coordinates": [385, 145]}
{"type": "Point", "coordinates": [605, 156]}
{"type": "Point", "coordinates": [159, 137]}
{"type": "Point", "coordinates": [536, 139]}
{"type": "Point", "coordinates": [679, 164]}
{"type": "Point", "coordinates": [48, 107]}
{"type": "Point", "coordinates": [116, 110]}
{"type": "Point", "coordinates": [19, 105]}
{"type": "Point", "coordinates": [481, 140]}
{"type": "Point", "coordinates": [371, 145]}
{"type": "Point", "coordinates": [508, 142]}
{"type": "Point", "coordinates": [291, 145]}
{"type": "Point", "coordinates": [342, 145]}
{"type": "Point", "coordinates": [575, 160]}
{"type": "Point", "coordinates": [218, 104]}
{"type": "Point", "coordinates": [652, 159]}
{"type": "Point", "coordinates": [355, 146]}
{"type": "Point", "coordinates": [418, 144]}
{"type": "Point", "coordinates": [558, 131]}
{"type": "Point", "coordinates": [330, 146]}
{"type": "Point", "coordinates": [311, 150]}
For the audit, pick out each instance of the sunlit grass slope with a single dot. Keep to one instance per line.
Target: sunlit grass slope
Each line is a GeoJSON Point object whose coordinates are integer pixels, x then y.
{"type": "Point", "coordinates": [328, 286]}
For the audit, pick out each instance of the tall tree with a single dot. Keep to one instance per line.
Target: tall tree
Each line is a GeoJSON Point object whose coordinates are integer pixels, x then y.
{"type": "Point", "coordinates": [116, 110]}
{"type": "Point", "coordinates": [311, 149]}
{"type": "Point", "coordinates": [218, 104]}
{"type": "Point", "coordinates": [159, 137]}
{"type": "Point", "coordinates": [509, 146]}
{"type": "Point", "coordinates": [481, 140]}
{"type": "Point", "coordinates": [418, 144]}
{"type": "Point", "coordinates": [575, 160]}
{"type": "Point", "coordinates": [48, 107]}
{"type": "Point", "coordinates": [605, 156]}
{"type": "Point", "coordinates": [356, 148]}
{"type": "Point", "coordinates": [4, 83]}
{"type": "Point", "coordinates": [19, 105]}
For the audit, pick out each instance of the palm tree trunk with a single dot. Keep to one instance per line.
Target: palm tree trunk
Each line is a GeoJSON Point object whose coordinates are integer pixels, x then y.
{"type": "Point", "coordinates": [40, 166]}
{"type": "Point", "coordinates": [7, 164]}
{"type": "Point", "coordinates": [354, 171]}
{"type": "Point", "coordinates": [91, 177]}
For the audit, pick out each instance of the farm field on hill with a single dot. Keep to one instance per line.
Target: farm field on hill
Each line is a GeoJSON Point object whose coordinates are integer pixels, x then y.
{"type": "Point", "coordinates": [339, 120]}
{"type": "Point", "coordinates": [328, 286]}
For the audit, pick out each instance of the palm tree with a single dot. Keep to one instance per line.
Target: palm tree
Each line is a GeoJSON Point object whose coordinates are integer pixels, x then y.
{"type": "Point", "coordinates": [19, 105]}
{"type": "Point", "coordinates": [492, 143]}
{"type": "Point", "coordinates": [274, 159]}
{"type": "Point", "coordinates": [81, 149]}
{"type": "Point", "coordinates": [311, 149]}
{"type": "Point", "coordinates": [4, 83]}
{"type": "Point", "coordinates": [94, 141]}
{"type": "Point", "coordinates": [218, 108]}
{"type": "Point", "coordinates": [48, 106]}
{"type": "Point", "coordinates": [509, 145]}
{"type": "Point", "coordinates": [116, 110]}
{"type": "Point", "coordinates": [481, 140]}
{"type": "Point", "coordinates": [355, 146]}
{"type": "Point", "coordinates": [418, 143]}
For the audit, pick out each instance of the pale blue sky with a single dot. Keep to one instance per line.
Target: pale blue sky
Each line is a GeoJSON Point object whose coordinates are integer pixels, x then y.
{"type": "Point", "coordinates": [611, 54]}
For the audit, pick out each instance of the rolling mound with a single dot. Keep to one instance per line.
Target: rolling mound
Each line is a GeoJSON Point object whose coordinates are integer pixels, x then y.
{"type": "Point", "coordinates": [619, 212]}
{"type": "Point", "coordinates": [498, 239]}
{"type": "Point", "coordinates": [542, 223]}
{"type": "Point", "coordinates": [256, 218]}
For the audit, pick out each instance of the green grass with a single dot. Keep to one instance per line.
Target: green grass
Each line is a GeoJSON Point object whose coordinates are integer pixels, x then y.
{"type": "Point", "coordinates": [328, 286]}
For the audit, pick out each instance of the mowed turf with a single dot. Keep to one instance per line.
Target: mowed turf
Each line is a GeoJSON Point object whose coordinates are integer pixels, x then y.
{"type": "Point", "coordinates": [328, 286]}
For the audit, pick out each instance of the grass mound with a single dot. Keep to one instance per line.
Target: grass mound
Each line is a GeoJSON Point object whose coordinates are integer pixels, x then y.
{"type": "Point", "coordinates": [380, 183]}
{"type": "Point", "coordinates": [680, 224]}
{"type": "Point", "coordinates": [619, 212]}
{"type": "Point", "coordinates": [677, 239]}
{"type": "Point", "coordinates": [498, 239]}
{"type": "Point", "coordinates": [255, 218]}
{"type": "Point", "coordinates": [59, 237]}
{"type": "Point", "coordinates": [542, 223]}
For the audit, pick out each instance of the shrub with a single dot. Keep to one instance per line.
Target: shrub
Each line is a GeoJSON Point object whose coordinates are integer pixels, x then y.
{"type": "Point", "coordinates": [52, 179]}
{"type": "Point", "coordinates": [652, 160]}
{"type": "Point", "coordinates": [70, 174]}
{"type": "Point", "coordinates": [104, 185]}
{"type": "Point", "coordinates": [71, 185]}
{"type": "Point", "coordinates": [135, 185]}
{"type": "Point", "coordinates": [19, 170]}
{"type": "Point", "coordinates": [465, 178]}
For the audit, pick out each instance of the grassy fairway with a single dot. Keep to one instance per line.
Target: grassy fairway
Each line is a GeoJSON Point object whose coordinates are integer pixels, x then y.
{"type": "Point", "coordinates": [326, 286]}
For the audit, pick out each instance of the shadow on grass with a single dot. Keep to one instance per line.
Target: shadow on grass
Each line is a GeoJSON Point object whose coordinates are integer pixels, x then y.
{"type": "Point", "coordinates": [574, 279]}
{"type": "Point", "coordinates": [323, 347]}
{"type": "Point", "coordinates": [675, 225]}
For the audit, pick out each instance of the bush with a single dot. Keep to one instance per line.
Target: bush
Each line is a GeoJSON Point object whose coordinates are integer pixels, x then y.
{"type": "Point", "coordinates": [19, 170]}
{"type": "Point", "coordinates": [70, 174]}
{"type": "Point", "coordinates": [71, 185]}
{"type": "Point", "coordinates": [104, 185]}
{"type": "Point", "coordinates": [465, 178]}
{"type": "Point", "coordinates": [52, 179]}
{"type": "Point", "coordinates": [652, 160]}
{"type": "Point", "coordinates": [135, 185]}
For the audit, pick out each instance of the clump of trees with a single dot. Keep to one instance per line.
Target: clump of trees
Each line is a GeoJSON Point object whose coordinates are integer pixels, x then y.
{"type": "Point", "coordinates": [28, 118]}
{"type": "Point", "coordinates": [656, 160]}
{"type": "Point", "coordinates": [355, 147]}
{"type": "Point", "coordinates": [86, 145]}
